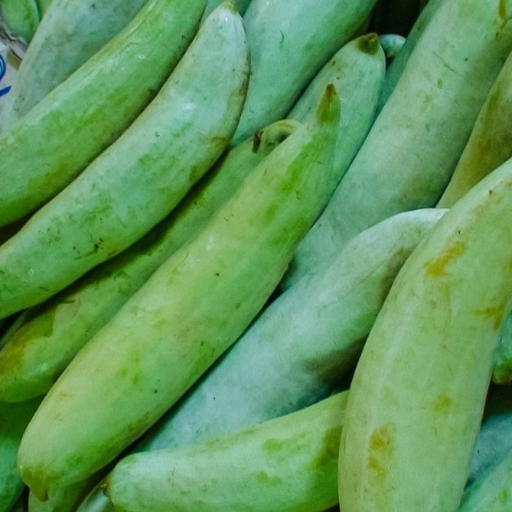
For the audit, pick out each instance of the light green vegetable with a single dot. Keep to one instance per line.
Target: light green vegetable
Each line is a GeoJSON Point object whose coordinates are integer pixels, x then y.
{"type": "Point", "coordinates": [137, 182]}
{"type": "Point", "coordinates": [398, 65]}
{"type": "Point", "coordinates": [60, 137]}
{"type": "Point", "coordinates": [302, 345]}
{"type": "Point", "coordinates": [412, 149]}
{"type": "Point", "coordinates": [493, 492]}
{"type": "Point", "coordinates": [418, 393]}
{"type": "Point", "coordinates": [290, 41]}
{"type": "Point", "coordinates": [241, 5]}
{"type": "Point", "coordinates": [37, 350]}
{"type": "Point", "coordinates": [359, 62]}
{"type": "Point", "coordinates": [21, 16]}
{"type": "Point", "coordinates": [14, 419]}
{"type": "Point", "coordinates": [284, 465]}
{"type": "Point", "coordinates": [490, 143]}
{"type": "Point", "coordinates": [70, 33]}
{"type": "Point", "coordinates": [176, 325]}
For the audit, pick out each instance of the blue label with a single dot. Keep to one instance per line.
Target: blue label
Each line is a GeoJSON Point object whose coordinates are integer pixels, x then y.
{"type": "Point", "coordinates": [3, 70]}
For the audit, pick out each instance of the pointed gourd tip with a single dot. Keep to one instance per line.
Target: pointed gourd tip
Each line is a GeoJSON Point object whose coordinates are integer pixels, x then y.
{"type": "Point", "coordinates": [36, 487]}
{"type": "Point", "coordinates": [271, 136]}
{"type": "Point", "coordinates": [369, 43]}
{"type": "Point", "coordinates": [229, 6]}
{"type": "Point", "coordinates": [329, 108]}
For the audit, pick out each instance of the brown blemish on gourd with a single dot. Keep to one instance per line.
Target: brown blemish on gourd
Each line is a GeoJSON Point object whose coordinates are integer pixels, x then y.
{"type": "Point", "coordinates": [494, 314]}
{"type": "Point", "coordinates": [381, 451]}
{"type": "Point", "coordinates": [442, 404]}
{"type": "Point", "coordinates": [437, 266]}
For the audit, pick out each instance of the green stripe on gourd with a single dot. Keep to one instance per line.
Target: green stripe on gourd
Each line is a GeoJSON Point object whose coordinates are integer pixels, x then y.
{"type": "Point", "coordinates": [71, 126]}
{"type": "Point", "coordinates": [138, 181]}
{"type": "Point", "coordinates": [70, 33]}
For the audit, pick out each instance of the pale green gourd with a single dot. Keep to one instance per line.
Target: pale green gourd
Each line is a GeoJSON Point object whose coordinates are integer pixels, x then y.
{"type": "Point", "coordinates": [176, 325]}
{"type": "Point", "coordinates": [302, 345]}
{"type": "Point", "coordinates": [290, 41]}
{"type": "Point", "coordinates": [138, 181]}
{"type": "Point", "coordinates": [70, 127]}
{"type": "Point", "coordinates": [284, 465]}
{"type": "Point", "coordinates": [69, 34]}
{"type": "Point", "coordinates": [39, 347]}
{"type": "Point", "coordinates": [419, 390]}
{"type": "Point", "coordinates": [413, 148]}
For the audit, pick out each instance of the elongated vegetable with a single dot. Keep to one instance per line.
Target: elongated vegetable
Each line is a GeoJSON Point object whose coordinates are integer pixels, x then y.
{"type": "Point", "coordinates": [14, 419]}
{"type": "Point", "coordinates": [241, 5]}
{"type": "Point", "coordinates": [360, 61]}
{"type": "Point", "coordinates": [398, 65]}
{"type": "Point", "coordinates": [290, 41]}
{"type": "Point", "coordinates": [490, 143]}
{"type": "Point", "coordinates": [302, 345]}
{"type": "Point", "coordinates": [36, 351]}
{"type": "Point", "coordinates": [176, 326]}
{"type": "Point", "coordinates": [407, 159]}
{"type": "Point", "coordinates": [21, 16]}
{"type": "Point", "coordinates": [493, 492]}
{"type": "Point", "coordinates": [70, 33]}
{"type": "Point", "coordinates": [284, 465]}
{"type": "Point", "coordinates": [83, 116]}
{"type": "Point", "coordinates": [149, 169]}
{"type": "Point", "coordinates": [419, 389]}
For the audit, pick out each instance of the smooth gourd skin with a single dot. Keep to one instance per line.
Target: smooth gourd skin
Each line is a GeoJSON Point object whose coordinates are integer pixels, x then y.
{"type": "Point", "coordinates": [492, 492]}
{"type": "Point", "coordinates": [302, 345]}
{"type": "Point", "coordinates": [360, 61]}
{"type": "Point", "coordinates": [71, 126]}
{"type": "Point", "coordinates": [419, 389]}
{"type": "Point", "coordinates": [137, 182]}
{"type": "Point", "coordinates": [284, 465]}
{"type": "Point", "coordinates": [290, 41]}
{"type": "Point", "coordinates": [176, 326]}
{"type": "Point", "coordinates": [14, 419]}
{"type": "Point", "coordinates": [490, 143]}
{"type": "Point", "coordinates": [69, 34]}
{"type": "Point", "coordinates": [412, 149]}
{"type": "Point", "coordinates": [39, 347]}
{"type": "Point", "coordinates": [397, 67]}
